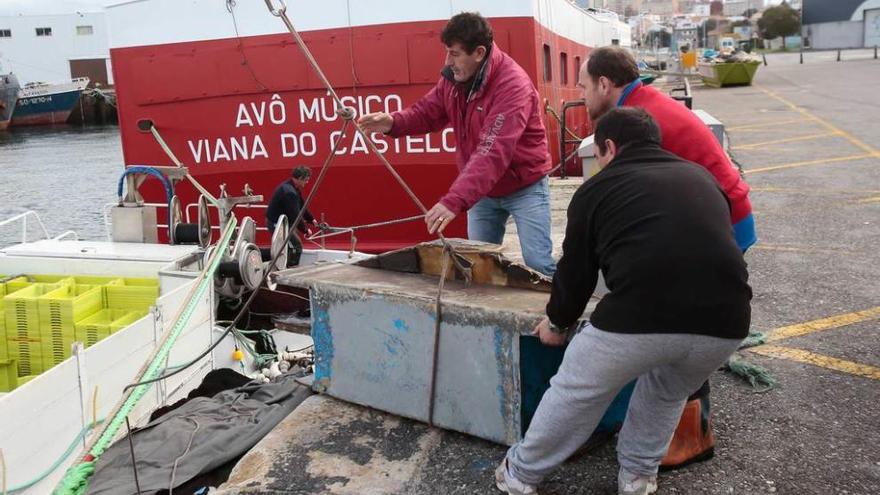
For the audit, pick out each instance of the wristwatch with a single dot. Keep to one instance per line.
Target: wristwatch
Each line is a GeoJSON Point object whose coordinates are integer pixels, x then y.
{"type": "Point", "coordinates": [557, 329]}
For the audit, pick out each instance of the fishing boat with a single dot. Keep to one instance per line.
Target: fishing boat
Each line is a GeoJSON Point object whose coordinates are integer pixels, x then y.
{"type": "Point", "coordinates": [9, 87]}
{"type": "Point", "coordinates": [47, 103]}
{"type": "Point", "coordinates": [236, 102]}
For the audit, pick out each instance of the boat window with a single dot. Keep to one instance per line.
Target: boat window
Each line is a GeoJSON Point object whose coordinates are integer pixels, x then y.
{"type": "Point", "coordinates": [46, 31]}
{"type": "Point", "coordinates": [5, 33]}
{"type": "Point", "coordinates": [563, 68]}
{"type": "Point", "coordinates": [577, 70]}
{"type": "Point", "coordinates": [84, 30]}
{"type": "Point", "coordinates": [548, 64]}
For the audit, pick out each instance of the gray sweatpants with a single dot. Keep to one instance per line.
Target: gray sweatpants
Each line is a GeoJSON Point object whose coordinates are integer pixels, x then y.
{"type": "Point", "coordinates": [597, 364]}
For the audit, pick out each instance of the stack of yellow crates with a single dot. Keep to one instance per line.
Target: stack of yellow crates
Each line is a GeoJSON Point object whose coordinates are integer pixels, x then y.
{"type": "Point", "coordinates": [42, 315]}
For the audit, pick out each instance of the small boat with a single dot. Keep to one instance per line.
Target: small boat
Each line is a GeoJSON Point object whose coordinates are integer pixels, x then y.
{"type": "Point", "coordinates": [45, 103]}
{"type": "Point", "coordinates": [9, 87]}
{"type": "Point", "coordinates": [720, 74]}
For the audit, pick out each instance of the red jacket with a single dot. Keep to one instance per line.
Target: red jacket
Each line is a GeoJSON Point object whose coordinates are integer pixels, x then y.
{"type": "Point", "coordinates": [501, 144]}
{"type": "Point", "coordinates": [685, 135]}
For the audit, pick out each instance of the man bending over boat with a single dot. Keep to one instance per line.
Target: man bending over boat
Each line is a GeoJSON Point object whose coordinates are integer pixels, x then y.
{"type": "Point", "coordinates": [502, 156]}
{"type": "Point", "coordinates": [678, 306]}
{"type": "Point", "coordinates": [288, 200]}
{"type": "Point", "coordinates": [610, 78]}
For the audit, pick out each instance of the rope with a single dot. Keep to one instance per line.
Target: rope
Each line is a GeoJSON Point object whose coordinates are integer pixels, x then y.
{"type": "Point", "coordinates": [758, 376]}
{"type": "Point", "coordinates": [548, 108]}
{"type": "Point", "coordinates": [436, 349]}
{"type": "Point", "coordinates": [173, 157]}
{"type": "Point", "coordinates": [349, 114]}
{"type": "Point", "coordinates": [76, 479]}
{"type": "Point", "coordinates": [51, 468]}
{"type": "Point", "coordinates": [334, 231]}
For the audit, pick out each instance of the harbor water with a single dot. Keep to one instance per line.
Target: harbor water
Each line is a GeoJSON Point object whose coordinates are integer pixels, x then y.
{"type": "Point", "coordinates": [66, 174]}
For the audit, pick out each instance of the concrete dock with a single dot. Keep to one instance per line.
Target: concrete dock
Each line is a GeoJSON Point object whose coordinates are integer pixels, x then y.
{"type": "Point", "coordinates": [808, 140]}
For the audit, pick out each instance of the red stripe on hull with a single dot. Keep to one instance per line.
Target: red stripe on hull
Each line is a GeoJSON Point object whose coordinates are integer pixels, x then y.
{"type": "Point", "coordinates": [47, 118]}
{"type": "Point", "coordinates": [219, 106]}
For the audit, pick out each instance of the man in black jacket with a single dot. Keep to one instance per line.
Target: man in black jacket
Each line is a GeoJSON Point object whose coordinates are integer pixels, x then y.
{"type": "Point", "coordinates": [678, 306]}
{"type": "Point", "coordinates": [288, 200]}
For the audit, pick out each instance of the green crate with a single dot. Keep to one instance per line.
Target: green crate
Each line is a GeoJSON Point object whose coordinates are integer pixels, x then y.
{"type": "Point", "coordinates": [60, 310]}
{"type": "Point", "coordinates": [103, 323]}
{"type": "Point", "coordinates": [135, 294]}
{"type": "Point", "coordinates": [8, 375]}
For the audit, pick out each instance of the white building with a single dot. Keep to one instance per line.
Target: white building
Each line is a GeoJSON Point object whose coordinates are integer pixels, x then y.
{"type": "Point", "coordinates": [54, 40]}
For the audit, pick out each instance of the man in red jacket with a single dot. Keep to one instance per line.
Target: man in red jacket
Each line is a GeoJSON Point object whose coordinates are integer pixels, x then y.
{"type": "Point", "coordinates": [501, 154]}
{"type": "Point", "coordinates": [610, 78]}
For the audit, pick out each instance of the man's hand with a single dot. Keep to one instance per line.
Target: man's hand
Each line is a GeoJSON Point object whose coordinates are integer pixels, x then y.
{"type": "Point", "coordinates": [547, 336]}
{"type": "Point", "coordinates": [376, 122]}
{"type": "Point", "coordinates": [438, 218]}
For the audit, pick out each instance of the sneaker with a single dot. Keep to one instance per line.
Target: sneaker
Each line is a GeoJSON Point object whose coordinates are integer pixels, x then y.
{"type": "Point", "coordinates": [635, 484]}
{"type": "Point", "coordinates": [508, 484]}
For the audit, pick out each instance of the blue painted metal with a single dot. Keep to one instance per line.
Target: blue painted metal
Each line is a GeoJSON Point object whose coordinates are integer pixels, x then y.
{"type": "Point", "coordinates": [44, 109]}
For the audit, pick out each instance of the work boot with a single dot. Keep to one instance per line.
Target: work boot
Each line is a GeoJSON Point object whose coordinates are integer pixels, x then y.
{"type": "Point", "coordinates": [635, 484]}
{"type": "Point", "coordinates": [693, 440]}
{"type": "Point", "coordinates": [508, 484]}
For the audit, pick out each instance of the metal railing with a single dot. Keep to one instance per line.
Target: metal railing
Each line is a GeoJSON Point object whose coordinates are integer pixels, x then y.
{"type": "Point", "coordinates": [163, 206]}
{"type": "Point", "coordinates": [23, 218]}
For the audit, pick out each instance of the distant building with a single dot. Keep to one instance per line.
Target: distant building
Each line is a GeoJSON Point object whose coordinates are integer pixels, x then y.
{"type": "Point", "coordinates": [737, 7]}
{"type": "Point", "coordinates": [660, 7]}
{"type": "Point", "coordinates": [841, 23]}
{"type": "Point", "coordinates": [54, 40]}
{"type": "Point", "coordinates": [624, 7]}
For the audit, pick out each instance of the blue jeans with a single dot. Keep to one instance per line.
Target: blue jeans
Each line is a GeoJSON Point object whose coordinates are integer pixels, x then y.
{"type": "Point", "coordinates": [530, 208]}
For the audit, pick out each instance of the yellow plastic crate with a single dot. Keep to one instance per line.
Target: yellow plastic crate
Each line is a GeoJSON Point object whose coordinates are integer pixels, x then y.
{"type": "Point", "coordinates": [23, 327]}
{"type": "Point", "coordinates": [96, 280]}
{"type": "Point", "coordinates": [4, 291]}
{"type": "Point", "coordinates": [135, 294]}
{"type": "Point", "coordinates": [60, 310]}
{"type": "Point", "coordinates": [27, 280]}
{"type": "Point", "coordinates": [104, 323]}
{"type": "Point", "coordinates": [8, 375]}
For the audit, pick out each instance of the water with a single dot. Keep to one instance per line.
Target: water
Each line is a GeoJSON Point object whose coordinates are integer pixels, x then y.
{"type": "Point", "coordinates": [64, 173]}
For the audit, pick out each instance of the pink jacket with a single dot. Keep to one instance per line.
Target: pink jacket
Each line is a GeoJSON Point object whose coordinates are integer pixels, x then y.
{"type": "Point", "coordinates": [501, 144]}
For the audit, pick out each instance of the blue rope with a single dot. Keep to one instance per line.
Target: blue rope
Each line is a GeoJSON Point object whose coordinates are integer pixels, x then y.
{"type": "Point", "coordinates": [142, 169]}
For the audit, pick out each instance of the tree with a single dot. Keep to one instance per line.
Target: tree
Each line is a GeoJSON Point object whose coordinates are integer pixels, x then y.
{"type": "Point", "coordinates": [781, 20]}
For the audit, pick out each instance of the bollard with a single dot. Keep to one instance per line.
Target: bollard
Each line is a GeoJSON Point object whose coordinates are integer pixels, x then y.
{"type": "Point", "coordinates": [764, 56]}
{"type": "Point", "coordinates": [802, 58]}
{"type": "Point", "coordinates": [838, 55]}
{"type": "Point", "coordinates": [875, 52]}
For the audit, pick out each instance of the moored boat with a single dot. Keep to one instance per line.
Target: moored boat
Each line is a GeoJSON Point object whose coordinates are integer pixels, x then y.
{"type": "Point", "coordinates": [9, 87]}
{"type": "Point", "coordinates": [237, 102]}
{"type": "Point", "coordinates": [45, 103]}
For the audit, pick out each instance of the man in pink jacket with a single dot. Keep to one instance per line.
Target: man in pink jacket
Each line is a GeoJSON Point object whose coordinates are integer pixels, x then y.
{"type": "Point", "coordinates": [501, 154]}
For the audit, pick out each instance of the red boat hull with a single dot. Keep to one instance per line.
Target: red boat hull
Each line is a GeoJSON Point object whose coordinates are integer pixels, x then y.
{"type": "Point", "coordinates": [246, 111]}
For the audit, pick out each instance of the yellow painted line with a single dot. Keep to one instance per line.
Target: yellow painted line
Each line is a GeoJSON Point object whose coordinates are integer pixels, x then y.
{"type": "Point", "coordinates": [795, 249]}
{"type": "Point", "coordinates": [786, 140]}
{"type": "Point", "coordinates": [823, 324]}
{"type": "Point", "coordinates": [852, 139]}
{"type": "Point", "coordinates": [822, 161]}
{"type": "Point", "coordinates": [766, 124]}
{"type": "Point", "coordinates": [827, 362]}
{"type": "Point", "coordinates": [869, 200]}
{"type": "Point", "coordinates": [804, 190]}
